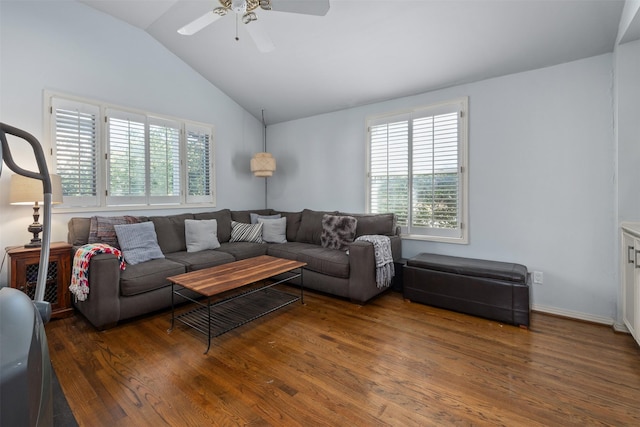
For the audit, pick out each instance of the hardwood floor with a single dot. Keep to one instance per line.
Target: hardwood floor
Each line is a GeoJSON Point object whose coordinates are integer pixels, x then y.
{"type": "Point", "coordinates": [330, 362]}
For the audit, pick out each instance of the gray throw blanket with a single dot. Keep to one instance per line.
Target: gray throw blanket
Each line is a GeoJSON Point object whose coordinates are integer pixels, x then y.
{"type": "Point", "coordinates": [384, 259]}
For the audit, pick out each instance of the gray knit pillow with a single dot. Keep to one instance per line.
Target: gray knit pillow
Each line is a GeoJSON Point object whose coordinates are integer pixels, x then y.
{"type": "Point", "coordinates": [338, 231]}
{"type": "Point", "coordinates": [139, 242]}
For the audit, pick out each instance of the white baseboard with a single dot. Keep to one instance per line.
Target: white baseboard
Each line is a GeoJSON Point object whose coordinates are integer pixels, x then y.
{"type": "Point", "coordinates": [577, 315]}
{"type": "Point", "coordinates": [619, 327]}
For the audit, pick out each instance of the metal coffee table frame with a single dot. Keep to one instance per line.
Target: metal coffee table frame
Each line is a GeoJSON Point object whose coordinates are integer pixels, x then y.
{"type": "Point", "coordinates": [235, 310]}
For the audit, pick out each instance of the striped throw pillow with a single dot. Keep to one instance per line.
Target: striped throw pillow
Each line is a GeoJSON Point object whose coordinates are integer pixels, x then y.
{"type": "Point", "coordinates": [241, 232]}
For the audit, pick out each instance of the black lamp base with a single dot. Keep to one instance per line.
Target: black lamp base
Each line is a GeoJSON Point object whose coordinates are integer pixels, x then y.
{"type": "Point", "coordinates": [34, 243]}
{"type": "Point", "coordinates": [35, 228]}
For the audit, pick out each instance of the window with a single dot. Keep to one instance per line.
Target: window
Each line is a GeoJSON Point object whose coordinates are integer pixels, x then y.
{"type": "Point", "coordinates": [108, 156]}
{"type": "Point", "coordinates": [417, 167]}
{"type": "Point", "coordinates": [76, 136]}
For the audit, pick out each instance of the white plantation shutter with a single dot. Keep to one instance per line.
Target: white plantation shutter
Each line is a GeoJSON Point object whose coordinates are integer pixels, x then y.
{"type": "Point", "coordinates": [76, 135]}
{"type": "Point", "coordinates": [389, 169]}
{"type": "Point", "coordinates": [199, 164]}
{"type": "Point", "coordinates": [127, 158]}
{"type": "Point", "coordinates": [424, 151]}
{"type": "Point", "coordinates": [110, 156]}
{"type": "Point", "coordinates": [164, 161]}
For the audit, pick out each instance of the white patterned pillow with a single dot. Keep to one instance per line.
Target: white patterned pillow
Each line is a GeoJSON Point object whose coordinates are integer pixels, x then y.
{"type": "Point", "coordinates": [139, 242]}
{"type": "Point", "coordinates": [241, 232]}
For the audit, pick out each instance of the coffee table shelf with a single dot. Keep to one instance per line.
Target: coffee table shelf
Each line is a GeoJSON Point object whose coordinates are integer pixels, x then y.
{"type": "Point", "coordinates": [231, 313]}
{"type": "Point", "coordinates": [230, 300]}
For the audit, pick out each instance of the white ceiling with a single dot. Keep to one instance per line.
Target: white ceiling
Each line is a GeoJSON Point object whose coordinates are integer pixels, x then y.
{"type": "Point", "coordinates": [365, 51]}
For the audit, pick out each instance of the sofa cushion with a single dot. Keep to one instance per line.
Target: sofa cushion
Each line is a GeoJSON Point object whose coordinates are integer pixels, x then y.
{"type": "Point", "coordinates": [223, 218]}
{"type": "Point", "coordinates": [102, 229]}
{"type": "Point", "coordinates": [241, 232]}
{"type": "Point", "coordinates": [139, 242]}
{"type": "Point", "coordinates": [289, 250]}
{"type": "Point", "coordinates": [243, 250]}
{"type": "Point", "coordinates": [170, 231]}
{"type": "Point", "coordinates": [245, 216]}
{"type": "Point", "coordinates": [372, 224]}
{"type": "Point", "coordinates": [293, 224]}
{"type": "Point", "coordinates": [331, 262]}
{"type": "Point", "coordinates": [201, 234]}
{"type": "Point", "coordinates": [274, 230]}
{"type": "Point", "coordinates": [148, 276]}
{"type": "Point", "coordinates": [338, 231]}
{"type": "Point", "coordinates": [311, 226]}
{"type": "Point", "coordinates": [199, 260]}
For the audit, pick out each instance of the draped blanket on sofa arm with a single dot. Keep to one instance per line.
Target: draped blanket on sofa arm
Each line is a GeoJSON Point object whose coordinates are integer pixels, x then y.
{"type": "Point", "coordinates": [385, 269]}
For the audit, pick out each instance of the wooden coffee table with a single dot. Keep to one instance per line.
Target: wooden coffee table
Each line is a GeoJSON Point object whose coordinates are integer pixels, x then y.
{"type": "Point", "coordinates": [232, 309]}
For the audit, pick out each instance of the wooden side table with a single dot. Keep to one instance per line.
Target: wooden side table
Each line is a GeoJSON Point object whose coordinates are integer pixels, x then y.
{"type": "Point", "coordinates": [23, 271]}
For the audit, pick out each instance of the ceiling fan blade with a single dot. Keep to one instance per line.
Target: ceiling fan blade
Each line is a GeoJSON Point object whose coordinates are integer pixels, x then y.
{"type": "Point", "coordinates": [260, 36]}
{"type": "Point", "coordinates": [199, 23]}
{"type": "Point", "coordinates": [305, 7]}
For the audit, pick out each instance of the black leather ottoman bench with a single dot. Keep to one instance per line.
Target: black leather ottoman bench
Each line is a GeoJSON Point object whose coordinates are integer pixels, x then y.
{"type": "Point", "coordinates": [495, 290]}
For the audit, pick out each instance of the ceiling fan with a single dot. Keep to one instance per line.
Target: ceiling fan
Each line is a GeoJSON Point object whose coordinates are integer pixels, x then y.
{"type": "Point", "coordinates": [245, 9]}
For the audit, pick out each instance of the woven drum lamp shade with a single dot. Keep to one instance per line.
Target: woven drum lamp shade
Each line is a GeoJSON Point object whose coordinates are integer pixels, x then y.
{"type": "Point", "coordinates": [263, 164]}
{"type": "Point", "coordinates": [27, 191]}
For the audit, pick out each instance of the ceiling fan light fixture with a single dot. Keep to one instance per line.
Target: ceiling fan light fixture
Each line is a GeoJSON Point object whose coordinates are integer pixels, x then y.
{"type": "Point", "coordinates": [220, 11]}
{"type": "Point", "coordinates": [239, 6]}
{"type": "Point", "coordinates": [249, 17]}
{"type": "Point", "coordinates": [265, 4]}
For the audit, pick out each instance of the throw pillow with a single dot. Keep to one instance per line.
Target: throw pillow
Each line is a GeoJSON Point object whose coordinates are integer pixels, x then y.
{"type": "Point", "coordinates": [274, 230]}
{"type": "Point", "coordinates": [338, 231]}
{"type": "Point", "coordinates": [139, 242]}
{"type": "Point", "coordinates": [255, 217]}
{"type": "Point", "coordinates": [101, 229]}
{"type": "Point", "coordinates": [241, 232]}
{"type": "Point", "coordinates": [201, 234]}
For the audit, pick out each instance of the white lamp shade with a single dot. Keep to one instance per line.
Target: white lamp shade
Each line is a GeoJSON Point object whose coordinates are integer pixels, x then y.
{"type": "Point", "coordinates": [263, 164]}
{"type": "Point", "coordinates": [28, 191]}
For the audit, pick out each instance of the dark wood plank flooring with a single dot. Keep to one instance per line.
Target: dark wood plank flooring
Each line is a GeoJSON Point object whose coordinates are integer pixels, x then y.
{"type": "Point", "coordinates": [330, 362]}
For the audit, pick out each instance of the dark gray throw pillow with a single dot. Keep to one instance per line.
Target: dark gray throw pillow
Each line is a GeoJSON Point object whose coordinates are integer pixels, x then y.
{"type": "Point", "coordinates": [338, 231]}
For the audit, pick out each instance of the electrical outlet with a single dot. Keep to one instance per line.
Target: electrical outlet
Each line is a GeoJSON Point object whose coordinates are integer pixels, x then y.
{"type": "Point", "coordinates": [538, 277]}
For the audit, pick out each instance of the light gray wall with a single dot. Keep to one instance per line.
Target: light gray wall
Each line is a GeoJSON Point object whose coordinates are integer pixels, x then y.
{"type": "Point", "coordinates": [541, 165]}
{"type": "Point", "coordinates": [627, 90]}
{"type": "Point", "coordinates": [628, 130]}
{"type": "Point", "coordinates": [69, 47]}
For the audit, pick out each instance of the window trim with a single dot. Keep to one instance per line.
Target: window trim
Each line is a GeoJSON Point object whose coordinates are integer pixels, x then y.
{"type": "Point", "coordinates": [462, 103]}
{"type": "Point", "coordinates": [102, 173]}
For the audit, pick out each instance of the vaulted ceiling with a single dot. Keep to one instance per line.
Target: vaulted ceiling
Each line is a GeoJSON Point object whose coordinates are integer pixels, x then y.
{"type": "Point", "coordinates": [365, 51]}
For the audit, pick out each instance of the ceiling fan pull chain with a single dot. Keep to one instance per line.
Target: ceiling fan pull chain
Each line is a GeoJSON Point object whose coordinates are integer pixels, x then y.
{"type": "Point", "coordinates": [237, 17]}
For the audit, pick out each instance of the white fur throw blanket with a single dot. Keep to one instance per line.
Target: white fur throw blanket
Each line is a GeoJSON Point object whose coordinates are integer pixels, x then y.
{"type": "Point", "coordinates": [384, 259]}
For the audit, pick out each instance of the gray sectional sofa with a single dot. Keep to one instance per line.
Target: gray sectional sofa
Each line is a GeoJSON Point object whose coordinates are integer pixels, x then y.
{"type": "Point", "coordinates": [116, 294]}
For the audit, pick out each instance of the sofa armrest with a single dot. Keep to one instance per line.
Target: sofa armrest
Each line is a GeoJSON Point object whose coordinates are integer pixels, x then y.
{"type": "Point", "coordinates": [362, 269]}
{"type": "Point", "coordinates": [102, 306]}
{"type": "Point", "coordinates": [396, 247]}
{"type": "Point", "coordinates": [362, 272]}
